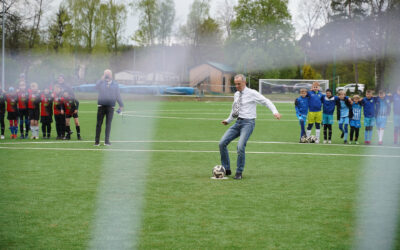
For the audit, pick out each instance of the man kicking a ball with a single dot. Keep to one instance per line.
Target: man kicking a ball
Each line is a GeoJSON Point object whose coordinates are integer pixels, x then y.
{"type": "Point", "coordinates": [244, 110]}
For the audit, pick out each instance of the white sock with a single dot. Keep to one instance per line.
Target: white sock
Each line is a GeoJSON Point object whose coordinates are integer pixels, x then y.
{"type": "Point", "coordinates": [380, 133]}
{"type": "Point", "coordinates": [308, 133]}
{"type": "Point", "coordinates": [317, 133]}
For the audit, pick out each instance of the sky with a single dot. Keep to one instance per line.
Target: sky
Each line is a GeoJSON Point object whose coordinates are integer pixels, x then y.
{"type": "Point", "coordinates": [182, 10]}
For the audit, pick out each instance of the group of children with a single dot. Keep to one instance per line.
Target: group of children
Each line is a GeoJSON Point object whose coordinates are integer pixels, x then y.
{"type": "Point", "coordinates": [313, 107]}
{"type": "Point", "coordinates": [27, 105]}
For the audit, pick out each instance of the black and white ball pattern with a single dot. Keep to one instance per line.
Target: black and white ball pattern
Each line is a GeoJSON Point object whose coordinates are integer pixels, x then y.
{"type": "Point", "coordinates": [219, 171]}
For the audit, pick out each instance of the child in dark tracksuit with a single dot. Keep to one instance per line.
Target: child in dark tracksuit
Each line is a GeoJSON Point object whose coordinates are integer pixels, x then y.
{"type": "Point", "coordinates": [46, 113]}
{"type": "Point", "coordinates": [59, 115]}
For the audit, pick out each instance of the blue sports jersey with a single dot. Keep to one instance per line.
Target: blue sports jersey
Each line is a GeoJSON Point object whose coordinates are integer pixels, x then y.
{"type": "Point", "coordinates": [315, 101]}
{"type": "Point", "coordinates": [396, 104]}
{"type": "Point", "coordinates": [329, 105]}
{"type": "Point", "coordinates": [369, 106]}
{"type": "Point", "coordinates": [344, 110]}
{"type": "Point", "coordinates": [356, 107]}
{"type": "Point", "coordinates": [301, 106]}
{"type": "Point", "coordinates": [382, 108]}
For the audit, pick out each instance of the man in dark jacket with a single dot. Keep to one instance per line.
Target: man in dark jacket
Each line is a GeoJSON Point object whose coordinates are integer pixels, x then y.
{"type": "Point", "coordinates": [108, 95]}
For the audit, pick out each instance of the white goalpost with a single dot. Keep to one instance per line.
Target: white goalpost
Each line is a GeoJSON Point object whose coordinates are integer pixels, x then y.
{"type": "Point", "coordinates": [282, 86]}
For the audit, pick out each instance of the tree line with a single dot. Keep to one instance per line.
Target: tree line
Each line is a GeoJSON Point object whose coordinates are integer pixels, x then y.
{"type": "Point", "coordinates": [357, 40]}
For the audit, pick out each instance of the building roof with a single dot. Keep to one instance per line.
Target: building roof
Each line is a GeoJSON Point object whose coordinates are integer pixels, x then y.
{"type": "Point", "coordinates": [221, 66]}
{"type": "Point", "coordinates": [132, 72]}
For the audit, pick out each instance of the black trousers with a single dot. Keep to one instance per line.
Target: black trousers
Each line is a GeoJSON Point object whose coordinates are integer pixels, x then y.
{"type": "Point", "coordinates": [2, 123]}
{"type": "Point", "coordinates": [102, 111]}
{"type": "Point", "coordinates": [60, 125]}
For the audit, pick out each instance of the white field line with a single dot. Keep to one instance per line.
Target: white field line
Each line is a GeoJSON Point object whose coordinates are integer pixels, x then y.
{"type": "Point", "coordinates": [142, 114]}
{"type": "Point", "coordinates": [205, 141]}
{"type": "Point", "coordinates": [200, 113]}
{"type": "Point", "coordinates": [198, 118]}
{"type": "Point", "coordinates": [213, 119]}
{"type": "Point", "coordinates": [196, 151]}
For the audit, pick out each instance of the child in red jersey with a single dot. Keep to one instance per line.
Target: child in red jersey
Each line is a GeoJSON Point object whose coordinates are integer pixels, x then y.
{"type": "Point", "coordinates": [34, 109]}
{"type": "Point", "coordinates": [23, 109]}
{"type": "Point", "coordinates": [46, 112]}
{"type": "Point", "coordinates": [2, 112]}
{"type": "Point", "coordinates": [59, 115]}
{"type": "Point", "coordinates": [71, 106]}
{"type": "Point", "coordinates": [12, 110]}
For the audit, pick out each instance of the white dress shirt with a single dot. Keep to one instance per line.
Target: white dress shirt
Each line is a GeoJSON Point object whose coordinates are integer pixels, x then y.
{"type": "Point", "coordinates": [248, 107]}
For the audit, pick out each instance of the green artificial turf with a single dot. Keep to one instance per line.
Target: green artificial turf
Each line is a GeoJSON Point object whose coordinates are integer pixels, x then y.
{"type": "Point", "coordinates": [66, 195]}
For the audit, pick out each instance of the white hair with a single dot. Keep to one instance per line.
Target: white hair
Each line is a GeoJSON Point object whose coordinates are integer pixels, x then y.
{"type": "Point", "coordinates": [241, 76]}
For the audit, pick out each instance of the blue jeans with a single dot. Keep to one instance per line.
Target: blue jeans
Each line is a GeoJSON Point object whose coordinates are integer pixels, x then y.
{"type": "Point", "coordinates": [242, 128]}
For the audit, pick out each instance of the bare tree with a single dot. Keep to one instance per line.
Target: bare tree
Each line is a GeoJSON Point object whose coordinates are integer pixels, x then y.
{"type": "Point", "coordinates": [225, 15]}
{"type": "Point", "coordinates": [38, 12]}
{"type": "Point", "coordinates": [85, 15]}
{"type": "Point", "coordinates": [148, 21]}
{"type": "Point", "coordinates": [114, 19]}
{"type": "Point", "coordinates": [167, 19]}
{"type": "Point", "coordinates": [313, 15]}
{"type": "Point", "coordinates": [199, 11]}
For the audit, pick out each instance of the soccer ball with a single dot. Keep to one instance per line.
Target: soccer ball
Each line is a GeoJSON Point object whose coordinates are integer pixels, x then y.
{"type": "Point", "coordinates": [218, 172]}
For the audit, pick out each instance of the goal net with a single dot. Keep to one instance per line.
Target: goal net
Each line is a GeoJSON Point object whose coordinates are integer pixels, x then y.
{"type": "Point", "coordinates": [283, 86]}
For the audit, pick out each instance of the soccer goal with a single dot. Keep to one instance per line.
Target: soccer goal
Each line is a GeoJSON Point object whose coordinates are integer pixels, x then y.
{"type": "Point", "coordinates": [282, 86]}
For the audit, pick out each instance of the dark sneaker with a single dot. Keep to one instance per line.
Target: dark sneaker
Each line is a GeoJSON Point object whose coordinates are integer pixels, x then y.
{"type": "Point", "coordinates": [238, 176]}
{"type": "Point", "coordinates": [96, 144]}
{"type": "Point", "coordinates": [68, 137]}
{"type": "Point", "coordinates": [342, 135]}
{"type": "Point", "coordinates": [228, 172]}
{"type": "Point", "coordinates": [79, 137]}
{"type": "Point", "coordinates": [22, 137]}
{"type": "Point", "coordinates": [26, 136]}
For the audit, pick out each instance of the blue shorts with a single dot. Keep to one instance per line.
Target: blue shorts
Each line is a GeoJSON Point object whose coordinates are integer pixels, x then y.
{"type": "Point", "coordinates": [381, 122]}
{"type": "Point", "coordinates": [355, 123]}
{"type": "Point", "coordinates": [396, 120]}
{"type": "Point", "coordinates": [369, 121]}
{"type": "Point", "coordinates": [302, 117]}
{"type": "Point", "coordinates": [344, 120]}
{"type": "Point", "coordinates": [327, 119]}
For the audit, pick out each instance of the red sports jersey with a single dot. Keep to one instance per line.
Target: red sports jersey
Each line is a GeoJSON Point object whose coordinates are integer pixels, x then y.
{"type": "Point", "coordinates": [58, 104]}
{"type": "Point", "coordinates": [46, 105]}
{"type": "Point", "coordinates": [12, 104]}
{"type": "Point", "coordinates": [69, 106]}
{"type": "Point", "coordinates": [23, 99]}
{"type": "Point", "coordinates": [33, 100]}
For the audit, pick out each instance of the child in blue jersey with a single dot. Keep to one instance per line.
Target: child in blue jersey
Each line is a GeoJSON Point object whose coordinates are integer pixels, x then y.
{"type": "Point", "coordinates": [329, 102]}
{"type": "Point", "coordinates": [344, 114]}
{"type": "Point", "coordinates": [355, 121]}
{"type": "Point", "coordinates": [382, 111]}
{"type": "Point", "coordinates": [368, 103]}
{"type": "Point", "coordinates": [314, 105]}
{"type": "Point", "coordinates": [301, 106]}
{"type": "Point", "coordinates": [396, 115]}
